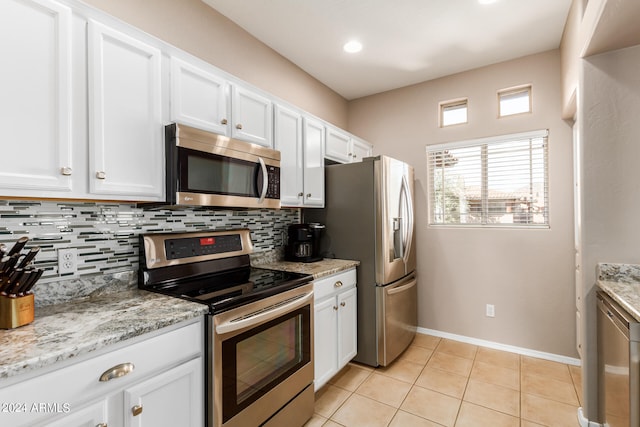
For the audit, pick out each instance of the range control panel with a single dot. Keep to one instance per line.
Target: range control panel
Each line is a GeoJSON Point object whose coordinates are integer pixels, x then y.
{"type": "Point", "coordinates": [202, 245]}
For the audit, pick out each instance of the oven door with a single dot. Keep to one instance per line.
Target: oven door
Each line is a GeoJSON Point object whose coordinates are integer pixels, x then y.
{"type": "Point", "coordinates": [262, 360]}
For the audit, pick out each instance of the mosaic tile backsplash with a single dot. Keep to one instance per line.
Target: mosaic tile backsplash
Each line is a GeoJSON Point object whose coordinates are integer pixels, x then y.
{"type": "Point", "coordinates": [106, 234]}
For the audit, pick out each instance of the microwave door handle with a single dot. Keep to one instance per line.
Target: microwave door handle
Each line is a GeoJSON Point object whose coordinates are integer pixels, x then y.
{"type": "Point", "coordinates": [265, 180]}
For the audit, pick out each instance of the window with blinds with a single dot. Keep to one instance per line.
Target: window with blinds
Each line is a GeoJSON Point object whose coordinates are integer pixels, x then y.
{"type": "Point", "coordinates": [501, 181]}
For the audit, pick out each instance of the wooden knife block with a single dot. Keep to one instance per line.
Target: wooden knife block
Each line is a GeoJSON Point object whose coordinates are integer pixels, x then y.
{"type": "Point", "coordinates": [15, 312]}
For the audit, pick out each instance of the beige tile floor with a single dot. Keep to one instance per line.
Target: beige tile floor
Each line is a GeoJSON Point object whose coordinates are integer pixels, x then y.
{"type": "Point", "coordinates": [440, 382]}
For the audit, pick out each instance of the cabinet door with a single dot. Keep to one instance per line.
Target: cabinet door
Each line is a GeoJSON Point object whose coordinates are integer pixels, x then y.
{"type": "Point", "coordinates": [94, 415]}
{"type": "Point", "coordinates": [313, 163]}
{"type": "Point", "coordinates": [35, 105]}
{"type": "Point", "coordinates": [172, 398]}
{"type": "Point", "coordinates": [360, 149]}
{"type": "Point", "coordinates": [288, 140]}
{"type": "Point", "coordinates": [338, 146]}
{"type": "Point", "coordinates": [125, 123]}
{"type": "Point", "coordinates": [198, 98]}
{"type": "Point", "coordinates": [347, 327]}
{"type": "Point", "coordinates": [325, 344]}
{"type": "Point", "coordinates": [252, 117]}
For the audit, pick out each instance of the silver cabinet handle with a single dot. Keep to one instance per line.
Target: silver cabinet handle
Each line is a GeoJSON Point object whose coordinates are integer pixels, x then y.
{"type": "Point", "coordinates": [239, 126]}
{"type": "Point", "coordinates": [136, 410]}
{"type": "Point", "coordinates": [337, 284]}
{"type": "Point", "coordinates": [335, 307]}
{"type": "Point", "coordinates": [102, 425]}
{"type": "Point", "coordinates": [101, 175]}
{"type": "Point", "coordinates": [342, 304]}
{"type": "Point", "coordinates": [308, 195]}
{"type": "Point", "coordinates": [66, 171]}
{"type": "Point", "coordinates": [300, 194]}
{"type": "Point", "coordinates": [117, 371]}
{"type": "Point", "coordinates": [223, 122]}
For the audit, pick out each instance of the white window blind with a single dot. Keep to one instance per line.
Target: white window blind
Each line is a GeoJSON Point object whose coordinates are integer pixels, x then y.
{"type": "Point", "coordinates": [500, 181]}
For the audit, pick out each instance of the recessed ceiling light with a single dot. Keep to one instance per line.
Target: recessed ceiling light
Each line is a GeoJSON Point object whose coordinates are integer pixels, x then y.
{"type": "Point", "coordinates": [352, 46]}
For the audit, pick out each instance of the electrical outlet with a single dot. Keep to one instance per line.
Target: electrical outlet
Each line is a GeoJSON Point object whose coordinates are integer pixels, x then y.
{"type": "Point", "coordinates": [491, 310]}
{"type": "Point", "coordinates": [67, 261]}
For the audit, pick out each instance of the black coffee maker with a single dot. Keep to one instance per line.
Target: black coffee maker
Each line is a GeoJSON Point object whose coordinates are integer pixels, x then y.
{"type": "Point", "coordinates": [303, 243]}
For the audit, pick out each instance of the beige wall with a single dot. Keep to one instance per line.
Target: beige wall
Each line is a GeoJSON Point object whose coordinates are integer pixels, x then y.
{"type": "Point", "coordinates": [526, 274]}
{"type": "Point", "coordinates": [196, 28]}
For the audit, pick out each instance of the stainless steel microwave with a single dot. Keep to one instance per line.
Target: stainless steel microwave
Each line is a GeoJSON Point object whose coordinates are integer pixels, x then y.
{"type": "Point", "coordinates": [206, 169]}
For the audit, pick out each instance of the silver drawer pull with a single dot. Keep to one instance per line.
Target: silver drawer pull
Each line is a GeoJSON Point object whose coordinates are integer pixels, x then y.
{"type": "Point", "coordinates": [223, 122]}
{"type": "Point", "coordinates": [101, 175]}
{"type": "Point", "coordinates": [102, 425]}
{"type": "Point", "coordinates": [66, 171]}
{"type": "Point", "coordinates": [342, 304]}
{"type": "Point", "coordinates": [337, 284]}
{"type": "Point", "coordinates": [239, 126]}
{"type": "Point", "coordinates": [117, 371]}
{"type": "Point", "coordinates": [136, 410]}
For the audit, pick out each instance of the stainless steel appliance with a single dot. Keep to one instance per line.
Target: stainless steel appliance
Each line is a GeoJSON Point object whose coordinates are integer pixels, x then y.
{"type": "Point", "coordinates": [259, 329]}
{"type": "Point", "coordinates": [303, 242]}
{"type": "Point", "coordinates": [206, 169]}
{"type": "Point", "coordinates": [368, 216]}
{"type": "Point", "coordinates": [618, 365]}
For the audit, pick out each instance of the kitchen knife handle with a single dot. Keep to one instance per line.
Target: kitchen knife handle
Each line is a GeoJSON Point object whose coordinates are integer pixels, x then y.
{"type": "Point", "coordinates": [17, 247]}
{"type": "Point", "coordinates": [29, 257]}
{"type": "Point", "coordinates": [117, 371]}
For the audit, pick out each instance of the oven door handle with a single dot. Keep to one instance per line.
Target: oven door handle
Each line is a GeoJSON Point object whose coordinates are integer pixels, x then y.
{"type": "Point", "coordinates": [264, 315]}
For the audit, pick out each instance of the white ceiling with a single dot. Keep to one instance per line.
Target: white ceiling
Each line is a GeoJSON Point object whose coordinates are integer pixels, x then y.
{"type": "Point", "coordinates": [405, 41]}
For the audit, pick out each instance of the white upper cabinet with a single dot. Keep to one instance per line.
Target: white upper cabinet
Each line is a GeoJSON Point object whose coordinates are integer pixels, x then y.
{"type": "Point", "coordinates": [338, 145]}
{"type": "Point", "coordinates": [300, 141]}
{"type": "Point", "coordinates": [199, 98]}
{"type": "Point", "coordinates": [125, 117]}
{"type": "Point", "coordinates": [314, 139]}
{"type": "Point", "coordinates": [252, 116]}
{"type": "Point", "coordinates": [288, 140]}
{"type": "Point", "coordinates": [345, 148]}
{"type": "Point", "coordinates": [35, 106]}
{"type": "Point", "coordinates": [360, 149]}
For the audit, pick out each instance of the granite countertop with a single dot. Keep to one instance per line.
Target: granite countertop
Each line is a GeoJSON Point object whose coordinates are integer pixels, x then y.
{"type": "Point", "coordinates": [318, 269]}
{"type": "Point", "coordinates": [622, 283]}
{"type": "Point", "coordinates": [66, 330]}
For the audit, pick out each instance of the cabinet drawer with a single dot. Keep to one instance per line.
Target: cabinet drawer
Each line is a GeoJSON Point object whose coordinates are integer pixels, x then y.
{"type": "Point", "coordinates": [73, 385]}
{"type": "Point", "coordinates": [335, 283]}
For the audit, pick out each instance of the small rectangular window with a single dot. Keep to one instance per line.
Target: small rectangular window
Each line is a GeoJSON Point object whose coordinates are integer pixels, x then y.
{"type": "Point", "coordinates": [496, 182]}
{"type": "Point", "coordinates": [514, 101]}
{"type": "Point", "coordinates": [453, 112]}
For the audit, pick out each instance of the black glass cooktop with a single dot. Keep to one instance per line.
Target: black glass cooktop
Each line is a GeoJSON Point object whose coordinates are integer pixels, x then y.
{"type": "Point", "coordinates": [229, 289]}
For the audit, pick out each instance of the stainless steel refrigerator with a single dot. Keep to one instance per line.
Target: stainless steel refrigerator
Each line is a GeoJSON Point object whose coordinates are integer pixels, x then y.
{"type": "Point", "coordinates": [369, 216]}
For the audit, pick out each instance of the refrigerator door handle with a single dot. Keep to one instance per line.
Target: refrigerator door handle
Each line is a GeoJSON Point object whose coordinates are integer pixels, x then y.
{"type": "Point", "coordinates": [408, 232]}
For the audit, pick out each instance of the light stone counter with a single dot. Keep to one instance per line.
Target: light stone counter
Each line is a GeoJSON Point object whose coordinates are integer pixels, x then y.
{"type": "Point", "coordinates": [63, 331]}
{"type": "Point", "coordinates": [622, 283]}
{"type": "Point", "coordinates": [318, 269]}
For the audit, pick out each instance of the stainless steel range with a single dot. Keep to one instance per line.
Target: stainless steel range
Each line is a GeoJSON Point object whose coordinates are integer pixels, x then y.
{"type": "Point", "coordinates": [259, 328]}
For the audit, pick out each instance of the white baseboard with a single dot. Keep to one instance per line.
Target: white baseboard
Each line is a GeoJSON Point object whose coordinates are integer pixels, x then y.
{"type": "Point", "coordinates": [584, 422]}
{"type": "Point", "coordinates": [504, 347]}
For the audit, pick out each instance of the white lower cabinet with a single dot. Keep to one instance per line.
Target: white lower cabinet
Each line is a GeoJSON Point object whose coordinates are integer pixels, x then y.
{"type": "Point", "coordinates": [156, 380]}
{"type": "Point", "coordinates": [93, 415]}
{"type": "Point", "coordinates": [172, 398]}
{"type": "Point", "coordinates": [335, 325]}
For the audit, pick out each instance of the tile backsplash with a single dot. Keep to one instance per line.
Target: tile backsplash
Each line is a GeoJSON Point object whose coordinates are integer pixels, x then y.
{"type": "Point", "coordinates": [106, 234]}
